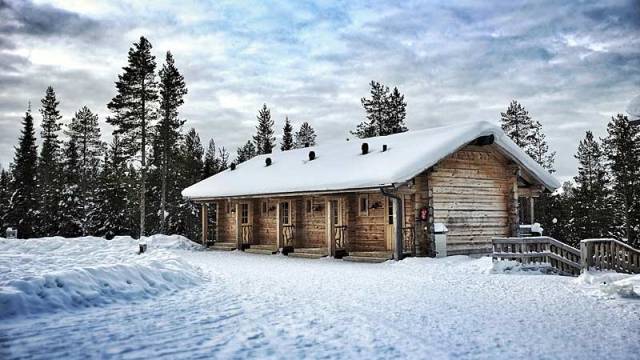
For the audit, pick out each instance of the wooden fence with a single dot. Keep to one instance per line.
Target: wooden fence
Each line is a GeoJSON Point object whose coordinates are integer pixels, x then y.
{"type": "Point", "coordinates": [601, 254]}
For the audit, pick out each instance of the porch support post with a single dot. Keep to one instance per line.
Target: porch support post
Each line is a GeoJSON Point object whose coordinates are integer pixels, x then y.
{"type": "Point", "coordinates": [532, 207]}
{"type": "Point", "coordinates": [329, 229]}
{"type": "Point", "coordinates": [279, 225]}
{"type": "Point", "coordinates": [203, 218]}
{"type": "Point", "coordinates": [238, 227]}
{"type": "Point", "coordinates": [397, 213]}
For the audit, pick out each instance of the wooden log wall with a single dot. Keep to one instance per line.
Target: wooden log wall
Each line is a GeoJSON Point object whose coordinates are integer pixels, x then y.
{"type": "Point", "coordinates": [226, 221]}
{"type": "Point", "coordinates": [471, 192]}
{"type": "Point", "coordinates": [264, 223]}
{"type": "Point", "coordinates": [311, 226]}
{"type": "Point", "coordinates": [367, 232]}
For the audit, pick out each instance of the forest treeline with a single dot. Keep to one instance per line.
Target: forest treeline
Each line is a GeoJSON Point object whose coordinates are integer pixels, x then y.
{"type": "Point", "coordinates": [75, 184]}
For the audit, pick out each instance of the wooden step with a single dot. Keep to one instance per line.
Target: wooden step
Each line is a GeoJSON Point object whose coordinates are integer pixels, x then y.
{"type": "Point", "coordinates": [305, 255]}
{"type": "Point", "coordinates": [365, 259]}
{"type": "Point", "coordinates": [219, 246]}
{"type": "Point", "coordinates": [318, 251]}
{"type": "Point", "coordinates": [372, 254]}
{"type": "Point", "coordinates": [264, 247]}
{"type": "Point", "coordinates": [266, 251]}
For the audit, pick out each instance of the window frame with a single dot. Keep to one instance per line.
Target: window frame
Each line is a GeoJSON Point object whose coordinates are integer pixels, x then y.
{"type": "Point", "coordinates": [365, 211]}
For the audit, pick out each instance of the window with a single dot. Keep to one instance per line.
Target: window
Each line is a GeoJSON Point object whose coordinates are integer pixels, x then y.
{"type": "Point", "coordinates": [264, 207]}
{"type": "Point", "coordinates": [308, 206]}
{"type": "Point", "coordinates": [284, 208]}
{"type": "Point", "coordinates": [244, 213]}
{"type": "Point", "coordinates": [364, 205]}
{"type": "Point", "coordinates": [390, 211]}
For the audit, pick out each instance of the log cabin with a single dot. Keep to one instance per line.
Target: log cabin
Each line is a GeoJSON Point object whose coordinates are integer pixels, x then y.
{"type": "Point", "coordinates": [376, 198]}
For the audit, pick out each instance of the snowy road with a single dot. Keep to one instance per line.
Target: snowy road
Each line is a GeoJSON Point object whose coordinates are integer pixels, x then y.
{"type": "Point", "coordinates": [276, 307]}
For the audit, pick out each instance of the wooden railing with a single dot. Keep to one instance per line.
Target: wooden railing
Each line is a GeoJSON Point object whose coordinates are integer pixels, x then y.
{"type": "Point", "coordinates": [340, 237]}
{"type": "Point", "coordinates": [600, 254]}
{"type": "Point", "coordinates": [246, 233]}
{"type": "Point", "coordinates": [408, 240]}
{"type": "Point", "coordinates": [609, 254]}
{"type": "Point", "coordinates": [288, 235]}
{"type": "Point", "coordinates": [538, 250]}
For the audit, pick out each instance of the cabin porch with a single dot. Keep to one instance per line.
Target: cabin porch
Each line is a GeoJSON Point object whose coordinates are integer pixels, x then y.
{"type": "Point", "coordinates": [350, 225]}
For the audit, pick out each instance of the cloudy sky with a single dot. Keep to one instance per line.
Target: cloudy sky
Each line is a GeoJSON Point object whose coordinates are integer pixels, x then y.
{"type": "Point", "coordinates": [572, 64]}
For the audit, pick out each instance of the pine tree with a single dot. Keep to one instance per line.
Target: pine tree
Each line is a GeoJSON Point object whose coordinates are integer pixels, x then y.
{"type": "Point", "coordinates": [71, 205]}
{"type": "Point", "coordinates": [133, 108]}
{"type": "Point", "coordinates": [49, 184]}
{"type": "Point", "coordinates": [172, 92]}
{"type": "Point", "coordinates": [22, 215]}
{"type": "Point", "coordinates": [386, 112]}
{"type": "Point", "coordinates": [192, 164]}
{"type": "Point", "coordinates": [305, 135]}
{"type": "Point", "coordinates": [517, 124]}
{"type": "Point", "coordinates": [591, 210]}
{"type": "Point", "coordinates": [84, 132]}
{"type": "Point", "coordinates": [264, 139]}
{"type": "Point", "coordinates": [377, 112]}
{"type": "Point", "coordinates": [245, 152]}
{"type": "Point", "coordinates": [396, 113]}
{"type": "Point", "coordinates": [287, 136]}
{"type": "Point", "coordinates": [538, 148]}
{"type": "Point", "coordinates": [5, 197]}
{"type": "Point", "coordinates": [113, 195]}
{"type": "Point", "coordinates": [622, 146]}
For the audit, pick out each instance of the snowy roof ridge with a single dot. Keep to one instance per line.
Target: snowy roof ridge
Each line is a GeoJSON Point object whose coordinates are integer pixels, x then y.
{"type": "Point", "coordinates": [341, 166]}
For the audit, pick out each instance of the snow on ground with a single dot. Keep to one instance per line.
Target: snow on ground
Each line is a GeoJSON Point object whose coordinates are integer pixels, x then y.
{"type": "Point", "coordinates": [45, 275]}
{"type": "Point", "coordinates": [245, 306]}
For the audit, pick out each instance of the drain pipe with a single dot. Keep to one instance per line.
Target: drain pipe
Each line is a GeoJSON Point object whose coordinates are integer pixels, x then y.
{"type": "Point", "coordinates": [397, 220]}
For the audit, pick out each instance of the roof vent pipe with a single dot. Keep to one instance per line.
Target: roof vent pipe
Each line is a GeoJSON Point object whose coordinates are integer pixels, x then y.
{"type": "Point", "coordinates": [384, 147]}
{"type": "Point", "coordinates": [267, 161]}
{"type": "Point", "coordinates": [306, 144]}
{"type": "Point", "coordinates": [312, 155]}
{"type": "Point", "coordinates": [365, 148]}
{"type": "Point", "coordinates": [232, 166]}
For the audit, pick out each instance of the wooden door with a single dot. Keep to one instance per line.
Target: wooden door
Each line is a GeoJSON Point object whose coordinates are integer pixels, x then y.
{"type": "Point", "coordinates": [389, 225]}
{"type": "Point", "coordinates": [286, 224]}
{"type": "Point", "coordinates": [337, 232]}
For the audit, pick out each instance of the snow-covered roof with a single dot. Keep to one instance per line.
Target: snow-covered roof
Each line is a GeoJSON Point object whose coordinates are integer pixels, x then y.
{"type": "Point", "coordinates": [341, 166]}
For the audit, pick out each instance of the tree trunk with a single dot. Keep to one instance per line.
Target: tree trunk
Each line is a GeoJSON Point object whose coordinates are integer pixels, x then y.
{"type": "Point", "coordinates": [163, 195]}
{"type": "Point", "coordinates": [143, 172]}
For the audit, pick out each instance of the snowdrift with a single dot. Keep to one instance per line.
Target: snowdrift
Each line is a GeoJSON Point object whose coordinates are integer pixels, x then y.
{"type": "Point", "coordinates": [611, 284]}
{"type": "Point", "coordinates": [53, 274]}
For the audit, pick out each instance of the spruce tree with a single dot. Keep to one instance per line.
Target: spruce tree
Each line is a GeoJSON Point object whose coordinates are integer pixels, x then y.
{"type": "Point", "coordinates": [591, 210]}
{"type": "Point", "coordinates": [287, 136]}
{"type": "Point", "coordinates": [517, 124]}
{"type": "Point", "coordinates": [5, 198]}
{"type": "Point", "coordinates": [192, 165]}
{"type": "Point", "coordinates": [305, 135]}
{"type": "Point", "coordinates": [396, 113]}
{"type": "Point", "coordinates": [264, 139]}
{"type": "Point", "coordinates": [172, 92]}
{"type": "Point", "coordinates": [49, 184]}
{"type": "Point", "coordinates": [246, 152]}
{"type": "Point", "coordinates": [210, 160]}
{"type": "Point", "coordinates": [22, 215]}
{"type": "Point", "coordinates": [133, 109]}
{"type": "Point", "coordinates": [71, 204]}
{"type": "Point", "coordinates": [113, 200]}
{"type": "Point", "coordinates": [622, 146]}
{"type": "Point", "coordinates": [223, 158]}
{"type": "Point", "coordinates": [84, 131]}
